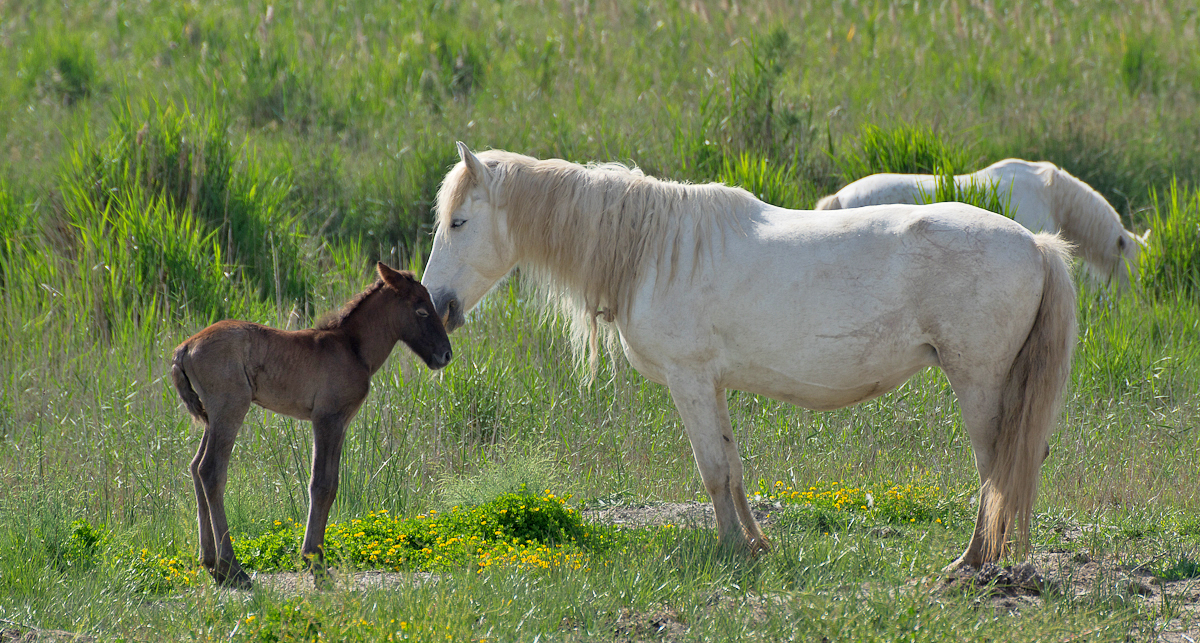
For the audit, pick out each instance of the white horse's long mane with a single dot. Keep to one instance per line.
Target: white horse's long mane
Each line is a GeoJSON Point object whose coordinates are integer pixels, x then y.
{"type": "Point", "coordinates": [597, 228]}
{"type": "Point", "coordinates": [1083, 214]}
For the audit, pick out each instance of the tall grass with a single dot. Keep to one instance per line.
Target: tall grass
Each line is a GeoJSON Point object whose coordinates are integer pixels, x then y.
{"type": "Point", "coordinates": [1171, 261]}
{"type": "Point", "coordinates": [188, 161]}
{"type": "Point", "coordinates": [903, 149]}
{"type": "Point", "coordinates": [978, 193]}
{"type": "Point", "coordinates": [61, 68]}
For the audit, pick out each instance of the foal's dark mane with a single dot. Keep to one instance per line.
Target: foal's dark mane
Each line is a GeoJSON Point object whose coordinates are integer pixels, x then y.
{"type": "Point", "coordinates": [335, 319]}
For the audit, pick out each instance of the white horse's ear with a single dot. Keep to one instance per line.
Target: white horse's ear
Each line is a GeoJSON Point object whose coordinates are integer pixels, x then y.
{"type": "Point", "coordinates": [475, 167]}
{"type": "Point", "coordinates": [1144, 238]}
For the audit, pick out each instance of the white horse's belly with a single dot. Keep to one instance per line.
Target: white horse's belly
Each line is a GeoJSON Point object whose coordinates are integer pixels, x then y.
{"type": "Point", "coordinates": [808, 390]}
{"type": "Point", "coordinates": [818, 375]}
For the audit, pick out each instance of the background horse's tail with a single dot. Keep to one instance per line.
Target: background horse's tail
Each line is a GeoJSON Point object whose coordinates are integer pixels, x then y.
{"type": "Point", "coordinates": [184, 386]}
{"type": "Point", "coordinates": [1086, 218]}
{"type": "Point", "coordinates": [1029, 405]}
{"type": "Point", "coordinates": [830, 202]}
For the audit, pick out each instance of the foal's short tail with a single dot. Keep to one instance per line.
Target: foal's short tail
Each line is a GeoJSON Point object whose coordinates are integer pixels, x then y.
{"type": "Point", "coordinates": [1029, 405]}
{"type": "Point", "coordinates": [184, 386]}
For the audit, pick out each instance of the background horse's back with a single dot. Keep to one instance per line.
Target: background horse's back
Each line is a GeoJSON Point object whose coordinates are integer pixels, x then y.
{"type": "Point", "coordinates": [1042, 197]}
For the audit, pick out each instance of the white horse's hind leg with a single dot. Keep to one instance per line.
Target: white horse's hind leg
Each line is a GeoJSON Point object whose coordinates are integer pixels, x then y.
{"type": "Point", "coordinates": [980, 406]}
{"type": "Point", "coordinates": [737, 487]}
{"type": "Point", "coordinates": [706, 418]}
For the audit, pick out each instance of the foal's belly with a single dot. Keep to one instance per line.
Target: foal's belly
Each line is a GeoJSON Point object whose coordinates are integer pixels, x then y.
{"type": "Point", "coordinates": [298, 408]}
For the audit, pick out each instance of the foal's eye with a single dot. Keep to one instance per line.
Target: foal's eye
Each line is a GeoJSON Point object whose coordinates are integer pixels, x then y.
{"type": "Point", "coordinates": [421, 312]}
{"type": "Point", "coordinates": [457, 223]}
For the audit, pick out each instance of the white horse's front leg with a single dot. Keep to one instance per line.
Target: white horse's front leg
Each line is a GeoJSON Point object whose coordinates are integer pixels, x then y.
{"type": "Point", "coordinates": [737, 487]}
{"type": "Point", "coordinates": [702, 406]}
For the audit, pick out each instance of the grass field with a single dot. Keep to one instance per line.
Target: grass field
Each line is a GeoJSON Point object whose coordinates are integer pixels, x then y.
{"type": "Point", "coordinates": [164, 166]}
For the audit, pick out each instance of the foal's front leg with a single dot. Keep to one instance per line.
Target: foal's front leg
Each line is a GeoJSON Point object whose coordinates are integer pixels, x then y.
{"type": "Point", "coordinates": [329, 431]}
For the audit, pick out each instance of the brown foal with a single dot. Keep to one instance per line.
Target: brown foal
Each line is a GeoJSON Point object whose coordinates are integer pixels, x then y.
{"type": "Point", "coordinates": [321, 374]}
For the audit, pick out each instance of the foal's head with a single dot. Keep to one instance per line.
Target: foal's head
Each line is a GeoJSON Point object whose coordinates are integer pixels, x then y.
{"type": "Point", "coordinates": [410, 307]}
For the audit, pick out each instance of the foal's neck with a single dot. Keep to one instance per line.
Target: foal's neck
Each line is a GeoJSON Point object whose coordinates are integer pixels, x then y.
{"type": "Point", "coordinates": [372, 331]}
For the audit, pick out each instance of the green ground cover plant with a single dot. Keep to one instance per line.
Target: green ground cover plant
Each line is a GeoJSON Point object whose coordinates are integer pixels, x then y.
{"type": "Point", "coordinates": [515, 528]}
{"type": "Point", "coordinates": [165, 165]}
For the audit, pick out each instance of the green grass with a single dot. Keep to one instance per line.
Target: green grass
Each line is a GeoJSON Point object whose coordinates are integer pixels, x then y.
{"type": "Point", "coordinates": [163, 166]}
{"type": "Point", "coordinates": [1171, 264]}
{"type": "Point", "coordinates": [902, 150]}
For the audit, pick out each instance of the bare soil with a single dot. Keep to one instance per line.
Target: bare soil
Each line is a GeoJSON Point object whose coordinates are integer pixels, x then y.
{"type": "Point", "coordinates": [13, 632]}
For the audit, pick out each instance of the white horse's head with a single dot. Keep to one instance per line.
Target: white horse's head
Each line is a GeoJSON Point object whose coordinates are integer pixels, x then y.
{"type": "Point", "coordinates": [471, 247]}
{"type": "Point", "coordinates": [1129, 250]}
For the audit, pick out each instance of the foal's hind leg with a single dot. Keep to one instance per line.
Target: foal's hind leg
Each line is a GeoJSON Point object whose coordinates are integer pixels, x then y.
{"type": "Point", "coordinates": [208, 546]}
{"type": "Point", "coordinates": [210, 471]}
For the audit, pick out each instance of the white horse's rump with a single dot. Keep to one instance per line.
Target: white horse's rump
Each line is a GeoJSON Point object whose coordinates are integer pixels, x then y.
{"type": "Point", "coordinates": [1045, 198]}
{"type": "Point", "coordinates": [710, 289]}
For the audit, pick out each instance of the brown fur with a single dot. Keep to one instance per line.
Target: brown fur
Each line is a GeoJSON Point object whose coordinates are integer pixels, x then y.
{"type": "Point", "coordinates": [1029, 406]}
{"type": "Point", "coordinates": [321, 374]}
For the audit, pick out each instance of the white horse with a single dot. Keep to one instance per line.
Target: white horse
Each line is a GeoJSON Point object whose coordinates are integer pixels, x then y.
{"type": "Point", "coordinates": [711, 289]}
{"type": "Point", "coordinates": [1045, 198]}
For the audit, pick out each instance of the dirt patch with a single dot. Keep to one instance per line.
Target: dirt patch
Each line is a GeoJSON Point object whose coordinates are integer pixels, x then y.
{"type": "Point", "coordinates": [297, 582]}
{"type": "Point", "coordinates": [680, 514]}
{"type": "Point", "coordinates": [661, 623]}
{"type": "Point", "coordinates": [13, 632]}
{"type": "Point", "coordinates": [1077, 575]}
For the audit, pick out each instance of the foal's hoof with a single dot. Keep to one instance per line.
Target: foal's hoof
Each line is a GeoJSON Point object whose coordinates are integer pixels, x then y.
{"type": "Point", "coordinates": [758, 546]}
{"type": "Point", "coordinates": [322, 579]}
{"type": "Point", "coordinates": [235, 579]}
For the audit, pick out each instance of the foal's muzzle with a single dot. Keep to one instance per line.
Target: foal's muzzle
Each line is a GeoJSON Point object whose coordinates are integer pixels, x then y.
{"type": "Point", "coordinates": [441, 358]}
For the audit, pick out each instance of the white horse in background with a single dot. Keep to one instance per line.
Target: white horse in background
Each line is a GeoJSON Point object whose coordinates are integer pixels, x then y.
{"type": "Point", "coordinates": [1044, 198]}
{"type": "Point", "coordinates": [708, 289]}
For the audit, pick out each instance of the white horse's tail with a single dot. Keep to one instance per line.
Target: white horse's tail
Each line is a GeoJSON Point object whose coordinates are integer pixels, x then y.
{"type": "Point", "coordinates": [1029, 405]}
{"type": "Point", "coordinates": [830, 202]}
{"type": "Point", "coordinates": [1090, 221]}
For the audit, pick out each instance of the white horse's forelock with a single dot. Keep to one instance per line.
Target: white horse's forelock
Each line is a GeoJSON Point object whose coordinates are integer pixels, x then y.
{"type": "Point", "coordinates": [597, 228]}
{"type": "Point", "coordinates": [1083, 214]}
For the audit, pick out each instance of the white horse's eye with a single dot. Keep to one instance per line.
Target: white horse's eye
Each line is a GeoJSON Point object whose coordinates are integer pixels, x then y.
{"type": "Point", "coordinates": [457, 223]}
{"type": "Point", "coordinates": [421, 312]}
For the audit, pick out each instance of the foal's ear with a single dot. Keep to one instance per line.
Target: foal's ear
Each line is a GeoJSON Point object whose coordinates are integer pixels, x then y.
{"type": "Point", "coordinates": [400, 281]}
{"type": "Point", "coordinates": [475, 167]}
